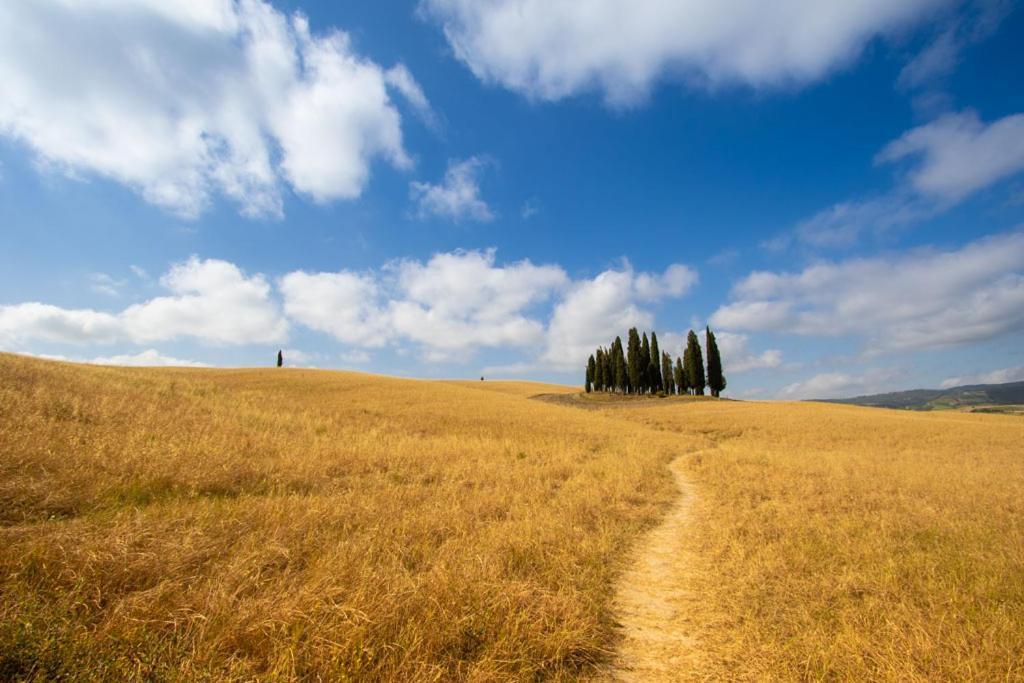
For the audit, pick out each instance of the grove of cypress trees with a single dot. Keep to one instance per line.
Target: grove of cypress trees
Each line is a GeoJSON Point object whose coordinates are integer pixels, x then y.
{"type": "Point", "coordinates": [633, 361]}
{"type": "Point", "coordinates": [657, 383]}
{"type": "Point", "coordinates": [716, 380]}
{"type": "Point", "coordinates": [695, 368]}
{"type": "Point", "coordinates": [679, 376]}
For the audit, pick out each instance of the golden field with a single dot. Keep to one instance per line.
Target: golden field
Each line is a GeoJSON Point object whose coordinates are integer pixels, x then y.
{"type": "Point", "coordinates": [190, 524]}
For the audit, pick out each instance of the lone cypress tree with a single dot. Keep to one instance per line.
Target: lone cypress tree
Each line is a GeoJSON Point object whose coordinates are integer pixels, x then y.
{"type": "Point", "coordinates": [695, 366]}
{"type": "Point", "coordinates": [633, 361]}
{"type": "Point", "coordinates": [716, 380]}
{"type": "Point", "coordinates": [680, 377]}
{"type": "Point", "coordinates": [645, 365]}
{"type": "Point", "coordinates": [591, 368]}
{"type": "Point", "coordinates": [667, 384]}
{"type": "Point", "coordinates": [657, 383]}
{"type": "Point", "coordinates": [280, 358]}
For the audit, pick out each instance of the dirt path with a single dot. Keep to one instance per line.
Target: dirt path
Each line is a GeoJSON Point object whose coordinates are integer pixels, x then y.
{"type": "Point", "coordinates": [652, 601]}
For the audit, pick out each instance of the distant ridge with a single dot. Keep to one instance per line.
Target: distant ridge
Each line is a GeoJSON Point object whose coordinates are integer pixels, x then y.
{"type": "Point", "coordinates": [980, 395]}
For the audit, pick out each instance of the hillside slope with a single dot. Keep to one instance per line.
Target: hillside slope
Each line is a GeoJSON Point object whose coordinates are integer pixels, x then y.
{"type": "Point", "coordinates": [1011, 393]}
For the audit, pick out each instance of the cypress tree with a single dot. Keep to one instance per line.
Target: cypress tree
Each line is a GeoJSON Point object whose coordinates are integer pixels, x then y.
{"type": "Point", "coordinates": [687, 352]}
{"type": "Point", "coordinates": [680, 377]}
{"type": "Point", "coordinates": [609, 371]}
{"type": "Point", "coordinates": [645, 366]}
{"type": "Point", "coordinates": [633, 361]}
{"type": "Point", "coordinates": [621, 369]}
{"type": "Point", "coordinates": [716, 380]}
{"type": "Point", "coordinates": [667, 385]}
{"type": "Point", "coordinates": [280, 358]}
{"type": "Point", "coordinates": [657, 380]}
{"type": "Point", "coordinates": [695, 368]}
{"type": "Point", "coordinates": [598, 369]}
{"type": "Point", "coordinates": [591, 369]}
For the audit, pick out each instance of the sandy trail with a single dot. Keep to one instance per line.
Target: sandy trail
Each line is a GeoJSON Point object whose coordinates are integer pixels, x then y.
{"type": "Point", "coordinates": [652, 601]}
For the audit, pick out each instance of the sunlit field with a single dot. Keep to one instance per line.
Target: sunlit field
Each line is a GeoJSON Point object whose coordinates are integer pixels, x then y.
{"type": "Point", "coordinates": [282, 523]}
{"type": "Point", "coordinates": [855, 543]}
{"type": "Point", "coordinates": [275, 524]}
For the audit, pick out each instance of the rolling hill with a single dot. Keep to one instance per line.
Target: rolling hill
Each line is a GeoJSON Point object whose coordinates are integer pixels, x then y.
{"type": "Point", "coordinates": [972, 397]}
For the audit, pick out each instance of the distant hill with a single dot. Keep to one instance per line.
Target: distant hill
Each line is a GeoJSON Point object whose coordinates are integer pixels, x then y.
{"type": "Point", "coordinates": [974, 395]}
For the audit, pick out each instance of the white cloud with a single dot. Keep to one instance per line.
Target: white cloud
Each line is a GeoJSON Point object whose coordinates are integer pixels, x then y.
{"type": "Point", "coordinates": [737, 356]}
{"type": "Point", "coordinates": [608, 304]}
{"type": "Point", "coordinates": [344, 305]}
{"type": "Point", "coordinates": [183, 100]}
{"type": "Point", "coordinates": [447, 305]}
{"type": "Point", "coordinates": [457, 302]}
{"type": "Point", "coordinates": [959, 154]}
{"type": "Point", "coordinates": [147, 358]}
{"type": "Point", "coordinates": [457, 197]}
{"type": "Point", "coordinates": [211, 300]}
{"type": "Point", "coordinates": [551, 49]}
{"type": "Point", "coordinates": [35, 321]}
{"type": "Point", "coordinates": [839, 385]}
{"type": "Point", "coordinates": [1001, 376]}
{"type": "Point", "coordinates": [913, 300]}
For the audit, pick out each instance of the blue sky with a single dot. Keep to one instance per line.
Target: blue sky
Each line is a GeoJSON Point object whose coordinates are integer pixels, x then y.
{"type": "Point", "coordinates": [450, 188]}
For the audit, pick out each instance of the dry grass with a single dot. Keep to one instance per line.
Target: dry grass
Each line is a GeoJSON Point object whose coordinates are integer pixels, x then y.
{"type": "Point", "coordinates": [191, 524]}
{"type": "Point", "coordinates": [855, 543]}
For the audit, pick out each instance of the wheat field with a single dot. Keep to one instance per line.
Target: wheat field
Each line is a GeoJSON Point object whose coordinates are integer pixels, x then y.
{"type": "Point", "coordinates": [188, 524]}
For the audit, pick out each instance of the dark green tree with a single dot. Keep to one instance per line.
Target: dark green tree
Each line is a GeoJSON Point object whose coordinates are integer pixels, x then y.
{"type": "Point", "coordinates": [620, 367]}
{"type": "Point", "coordinates": [633, 361]}
{"type": "Point", "coordinates": [716, 380]}
{"type": "Point", "coordinates": [679, 375]}
{"type": "Point", "coordinates": [280, 358]}
{"type": "Point", "coordinates": [609, 370]}
{"type": "Point", "coordinates": [667, 384]}
{"type": "Point", "coordinates": [645, 365]}
{"type": "Point", "coordinates": [591, 369]}
{"type": "Point", "coordinates": [657, 381]}
{"type": "Point", "coordinates": [695, 366]}
{"type": "Point", "coordinates": [599, 369]}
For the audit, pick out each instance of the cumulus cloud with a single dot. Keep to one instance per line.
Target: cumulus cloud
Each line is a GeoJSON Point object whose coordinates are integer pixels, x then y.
{"type": "Point", "coordinates": [944, 298]}
{"type": "Point", "coordinates": [456, 302]}
{"type": "Point", "coordinates": [457, 197]}
{"type": "Point", "coordinates": [959, 154]}
{"type": "Point", "coordinates": [344, 305]}
{"type": "Point", "coordinates": [210, 300]}
{"type": "Point", "coordinates": [183, 100]}
{"type": "Point", "coordinates": [612, 301]}
{"type": "Point", "coordinates": [737, 356]}
{"type": "Point", "coordinates": [450, 303]}
{"type": "Point", "coordinates": [551, 49]}
{"type": "Point", "coordinates": [1001, 376]}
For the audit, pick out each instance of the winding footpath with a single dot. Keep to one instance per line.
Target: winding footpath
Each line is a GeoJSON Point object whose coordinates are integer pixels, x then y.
{"type": "Point", "coordinates": [652, 600]}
